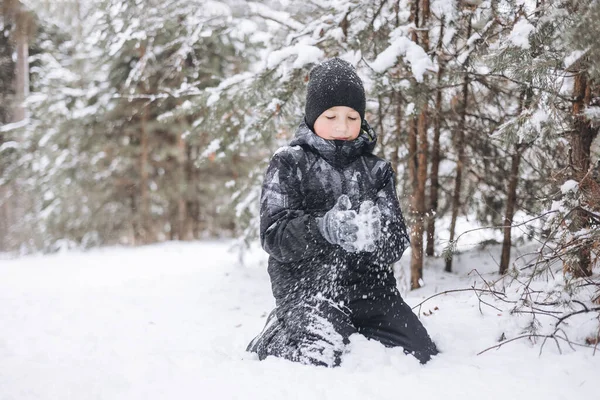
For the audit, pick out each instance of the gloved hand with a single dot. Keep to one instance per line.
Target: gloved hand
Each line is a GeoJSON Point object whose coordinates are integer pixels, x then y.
{"type": "Point", "coordinates": [338, 225]}
{"type": "Point", "coordinates": [369, 226]}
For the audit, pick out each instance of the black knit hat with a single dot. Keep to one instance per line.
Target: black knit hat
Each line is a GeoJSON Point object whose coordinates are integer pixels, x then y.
{"type": "Point", "coordinates": [333, 83]}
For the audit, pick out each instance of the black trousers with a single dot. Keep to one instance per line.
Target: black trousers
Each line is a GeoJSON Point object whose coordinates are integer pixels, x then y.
{"type": "Point", "coordinates": [316, 330]}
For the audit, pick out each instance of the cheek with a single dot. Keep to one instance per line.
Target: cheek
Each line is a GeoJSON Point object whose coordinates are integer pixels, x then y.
{"type": "Point", "coordinates": [323, 128]}
{"type": "Point", "coordinates": [355, 129]}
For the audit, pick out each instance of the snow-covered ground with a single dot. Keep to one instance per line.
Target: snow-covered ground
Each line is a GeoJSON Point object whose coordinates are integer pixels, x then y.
{"type": "Point", "coordinates": [172, 321]}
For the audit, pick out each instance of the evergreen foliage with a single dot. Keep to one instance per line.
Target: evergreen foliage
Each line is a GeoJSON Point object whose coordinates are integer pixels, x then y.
{"type": "Point", "coordinates": [155, 120]}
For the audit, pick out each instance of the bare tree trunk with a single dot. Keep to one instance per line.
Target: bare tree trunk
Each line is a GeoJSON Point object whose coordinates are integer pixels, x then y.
{"type": "Point", "coordinates": [193, 205]}
{"type": "Point", "coordinates": [5, 222]}
{"type": "Point", "coordinates": [22, 28]}
{"type": "Point", "coordinates": [395, 159]}
{"type": "Point", "coordinates": [189, 204]}
{"type": "Point", "coordinates": [584, 134]}
{"type": "Point", "coordinates": [418, 202]}
{"type": "Point", "coordinates": [416, 273]}
{"type": "Point", "coordinates": [460, 134]}
{"type": "Point", "coordinates": [413, 152]}
{"type": "Point", "coordinates": [182, 233]}
{"type": "Point", "coordinates": [14, 201]}
{"type": "Point", "coordinates": [510, 208]}
{"type": "Point", "coordinates": [424, 23]}
{"type": "Point", "coordinates": [144, 196]}
{"type": "Point", "coordinates": [135, 225]}
{"type": "Point", "coordinates": [460, 144]}
{"type": "Point", "coordinates": [414, 18]}
{"type": "Point", "coordinates": [511, 202]}
{"type": "Point", "coordinates": [419, 144]}
{"type": "Point", "coordinates": [581, 142]}
{"type": "Point", "coordinates": [435, 151]}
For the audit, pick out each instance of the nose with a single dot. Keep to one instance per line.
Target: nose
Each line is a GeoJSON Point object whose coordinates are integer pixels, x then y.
{"type": "Point", "coordinates": [341, 127]}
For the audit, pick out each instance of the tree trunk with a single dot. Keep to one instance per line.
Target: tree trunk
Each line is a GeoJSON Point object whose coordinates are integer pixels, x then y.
{"type": "Point", "coordinates": [414, 18]}
{"type": "Point", "coordinates": [583, 136]}
{"type": "Point", "coordinates": [416, 272]}
{"type": "Point", "coordinates": [581, 142]}
{"type": "Point", "coordinates": [460, 144]}
{"type": "Point", "coordinates": [511, 202]}
{"type": "Point", "coordinates": [5, 222]}
{"type": "Point", "coordinates": [182, 232]}
{"type": "Point", "coordinates": [395, 159]}
{"type": "Point", "coordinates": [435, 151]}
{"type": "Point", "coordinates": [424, 24]}
{"type": "Point", "coordinates": [13, 201]}
{"type": "Point", "coordinates": [419, 149]}
{"type": "Point", "coordinates": [22, 65]}
{"type": "Point", "coordinates": [418, 202]}
{"type": "Point", "coordinates": [193, 181]}
{"type": "Point", "coordinates": [510, 208]}
{"type": "Point", "coordinates": [144, 195]}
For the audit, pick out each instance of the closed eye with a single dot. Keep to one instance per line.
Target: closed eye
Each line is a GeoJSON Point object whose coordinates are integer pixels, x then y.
{"type": "Point", "coordinates": [329, 117]}
{"type": "Point", "coordinates": [352, 118]}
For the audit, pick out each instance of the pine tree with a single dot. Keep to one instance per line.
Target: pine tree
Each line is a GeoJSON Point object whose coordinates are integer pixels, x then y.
{"type": "Point", "coordinates": [544, 52]}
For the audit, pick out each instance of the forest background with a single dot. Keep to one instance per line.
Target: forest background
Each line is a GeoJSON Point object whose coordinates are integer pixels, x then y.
{"type": "Point", "coordinates": [133, 122]}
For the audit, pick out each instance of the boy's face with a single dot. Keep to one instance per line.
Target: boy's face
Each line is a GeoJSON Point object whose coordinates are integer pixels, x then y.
{"type": "Point", "coordinates": [338, 123]}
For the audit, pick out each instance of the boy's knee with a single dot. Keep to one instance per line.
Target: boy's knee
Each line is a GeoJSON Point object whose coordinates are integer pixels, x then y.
{"type": "Point", "coordinates": [424, 355]}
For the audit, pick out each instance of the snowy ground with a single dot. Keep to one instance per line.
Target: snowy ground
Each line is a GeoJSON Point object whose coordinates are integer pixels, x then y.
{"type": "Point", "coordinates": [172, 321]}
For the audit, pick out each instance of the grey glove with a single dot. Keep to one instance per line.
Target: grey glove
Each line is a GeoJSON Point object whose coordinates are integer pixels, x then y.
{"type": "Point", "coordinates": [369, 224]}
{"type": "Point", "coordinates": [338, 225]}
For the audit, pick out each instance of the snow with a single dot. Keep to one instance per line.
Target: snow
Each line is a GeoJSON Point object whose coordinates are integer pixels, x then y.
{"type": "Point", "coordinates": [538, 118]}
{"type": "Point", "coordinates": [474, 38]}
{"type": "Point", "coordinates": [8, 145]}
{"type": "Point", "coordinates": [249, 202]}
{"type": "Point", "coordinates": [280, 17]}
{"type": "Point", "coordinates": [281, 149]}
{"type": "Point", "coordinates": [236, 80]}
{"type": "Point", "coordinates": [558, 206]}
{"type": "Point", "coordinates": [411, 52]}
{"type": "Point", "coordinates": [592, 112]}
{"type": "Point", "coordinates": [569, 186]}
{"type": "Point", "coordinates": [173, 320]}
{"type": "Point", "coordinates": [594, 149]}
{"type": "Point", "coordinates": [274, 105]}
{"type": "Point", "coordinates": [212, 147]}
{"type": "Point", "coordinates": [445, 8]}
{"type": "Point", "coordinates": [573, 56]}
{"type": "Point", "coordinates": [14, 125]}
{"type": "Point", "coordinates": [519, 36]}
{"type": "Point", "coordinates": [305, 54]}
{"type": "Point", "coordinates": [448, 36]}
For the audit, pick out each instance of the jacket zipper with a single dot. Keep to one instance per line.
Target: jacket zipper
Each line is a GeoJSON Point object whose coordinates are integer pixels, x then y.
{"type": "Point", "coordinates": [338, 165]}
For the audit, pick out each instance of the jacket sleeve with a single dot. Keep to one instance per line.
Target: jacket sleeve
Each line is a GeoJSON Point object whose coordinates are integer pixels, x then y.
{"type": "Point", "coordinates": [394, 236]}
{"type": "Point", "coordinates": [287, 231]}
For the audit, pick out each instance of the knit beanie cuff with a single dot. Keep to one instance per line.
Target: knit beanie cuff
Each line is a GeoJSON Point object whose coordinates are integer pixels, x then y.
{"type": "Point", "coordinates": [333, 83]}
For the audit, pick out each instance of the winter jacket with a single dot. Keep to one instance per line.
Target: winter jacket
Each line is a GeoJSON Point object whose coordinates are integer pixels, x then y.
{"type": "Point", "coordinates": [303, 182]}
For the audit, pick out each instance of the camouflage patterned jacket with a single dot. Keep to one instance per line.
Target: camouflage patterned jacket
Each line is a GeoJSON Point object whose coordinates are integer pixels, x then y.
{"type": "Point", "coordinates": [303, 181]}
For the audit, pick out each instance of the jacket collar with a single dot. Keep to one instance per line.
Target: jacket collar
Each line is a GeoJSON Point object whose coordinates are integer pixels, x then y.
{"type": "Point", "coordinates": [338, 153]}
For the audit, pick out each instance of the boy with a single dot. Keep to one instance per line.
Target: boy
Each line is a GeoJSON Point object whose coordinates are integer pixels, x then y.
{"type": "Point", "coordinates": [332, 225]}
